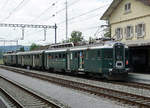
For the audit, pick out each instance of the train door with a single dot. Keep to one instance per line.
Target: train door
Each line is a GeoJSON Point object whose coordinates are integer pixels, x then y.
{"type": "Point", "coordinates": [68, 61]}
{"type": "Point", "coordinates": [33, 61]}
{"type": "Point", "coordinates": [119, 55]}
{"type": "Point", "coordinates": [81, 61]}
{"type": "Point", "coordinates": [22, 58]}
{"type": "Point", "coordinates": [46, 60]}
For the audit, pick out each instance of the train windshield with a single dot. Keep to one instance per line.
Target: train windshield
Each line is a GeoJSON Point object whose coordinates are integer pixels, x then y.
{"type": "Point", "coordinates": [119, 56]}
{"type": "Point", "coordinates": [119, 52]}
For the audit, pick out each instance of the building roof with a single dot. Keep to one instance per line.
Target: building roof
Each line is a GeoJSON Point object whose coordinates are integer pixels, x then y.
{"type": "Point", "coordinates": [114, 5]}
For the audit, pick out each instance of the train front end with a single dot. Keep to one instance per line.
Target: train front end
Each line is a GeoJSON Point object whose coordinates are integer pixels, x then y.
{"type": "Point", "coordinates": [120, 63]}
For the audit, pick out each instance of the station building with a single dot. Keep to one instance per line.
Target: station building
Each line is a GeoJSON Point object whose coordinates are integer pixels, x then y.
{"type": "Point", "coordinates": [130, 23]}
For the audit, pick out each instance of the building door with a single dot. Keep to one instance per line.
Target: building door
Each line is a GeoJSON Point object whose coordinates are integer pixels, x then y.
{"type": "Point", "coordinates": [22, 58]}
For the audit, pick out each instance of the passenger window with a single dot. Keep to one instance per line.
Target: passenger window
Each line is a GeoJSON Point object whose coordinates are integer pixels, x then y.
{"type": "Point", "coordinates": [98, 54]}
{"type": "Point", "coordinates": [52, 56]}
{"type": "Point", "coordinates": [59, 55]}
{"type": "Point", "coordinates": [76, 55]}
{"type": "Point", "coordinates": [71, 56]}
{"type": "Point", "coordinates": [87, 55]}
{"type": "Point", "coordinates": [64, 55]}
{"type": "Point", "coordinates": [108, 54]}
{"type": "Point", "coordinates": [37, 56]}
{"type": "Point", "coordinates": [56, 56]}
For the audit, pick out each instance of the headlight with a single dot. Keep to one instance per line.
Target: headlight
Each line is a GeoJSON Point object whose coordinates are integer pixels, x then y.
{"type": "Point", "coordinates": [110, 70]}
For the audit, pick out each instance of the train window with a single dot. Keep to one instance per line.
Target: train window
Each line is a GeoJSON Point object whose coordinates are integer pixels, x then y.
{"type": "Point", "coordinates": [56, 56]}
{"type": "Point", "coordinates": [60, 56]}
{"type": "Point", "coordinates": [52, 56]}
{"type": "Point", "coordinates": [98, 54]}
{"type": "Point", "coordinates": [108, 54]}
{"type": "Point", "coordinates": [71, 57]}
{"type": "Point", "coordinates": [76, 54]}
{"type": "Point", "coordinates": [64, 55]}
{"type": "Point", "coordinates": [37, 56]}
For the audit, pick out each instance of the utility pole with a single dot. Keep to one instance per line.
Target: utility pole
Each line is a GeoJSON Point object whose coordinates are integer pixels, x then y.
{"type": "Point", "coordinates": [55, 33]}
{"type": "Point", "coordinates": [66, 20]}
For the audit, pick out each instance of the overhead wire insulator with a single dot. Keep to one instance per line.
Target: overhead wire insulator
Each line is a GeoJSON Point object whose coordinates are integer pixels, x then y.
{"type": "Point", "coordinates": [22, 38]}
{"type": "Point", "coordinates": [44, 34]}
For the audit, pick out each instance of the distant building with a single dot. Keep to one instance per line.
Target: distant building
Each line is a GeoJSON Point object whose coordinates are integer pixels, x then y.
{"type": "Point", "coordinates": [130, 23]}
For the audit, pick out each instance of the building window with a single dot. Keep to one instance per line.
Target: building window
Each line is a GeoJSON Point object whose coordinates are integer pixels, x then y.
{"type": "Point", "coordinates": [140, 30]}
{"type": "Point", "coordinates": [129, 32]}
{"type": "Point", "coordinates": [127, 7]}
{"type": "Point", "coordinates": [119, 33]}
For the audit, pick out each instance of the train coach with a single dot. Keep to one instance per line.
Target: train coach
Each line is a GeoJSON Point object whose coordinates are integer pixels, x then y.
{"type": "Point", "coordinates": [10, 59]}
{"type": "Point", "coordinates": [109, 60]}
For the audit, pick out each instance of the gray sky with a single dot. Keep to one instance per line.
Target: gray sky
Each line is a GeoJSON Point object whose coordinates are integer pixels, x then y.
{"type": "Point", "coordinates": [83, 15]}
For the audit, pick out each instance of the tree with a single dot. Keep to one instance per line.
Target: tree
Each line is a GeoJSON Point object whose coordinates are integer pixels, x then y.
{"type": "Point", "coordinates": [91, 40]}
{"type": "Point", "coordinates": [65, 41]}
{"type": "Point", "coordinates": [76, 36]}
{"type": "Point", "coordinates": [34, 46]}
{"type": "Point", "coordinates": [21, 49]}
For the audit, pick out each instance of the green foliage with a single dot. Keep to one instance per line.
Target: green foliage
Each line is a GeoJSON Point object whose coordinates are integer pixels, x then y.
{"type": "Point", "coordinates": [21, 49]}
{"type": "Point", "coordinates": [65, 41]}
{"type": "Point", "coordinates": [1, 54]}
{"type": "Point", "coordinates": [1, 61]}
{"type": "Point", "coordinates": [34, 46]}
{"type": "Point", "coordinates": [76, 36]}
{"type": "Point", "coordinates": [91, 40]}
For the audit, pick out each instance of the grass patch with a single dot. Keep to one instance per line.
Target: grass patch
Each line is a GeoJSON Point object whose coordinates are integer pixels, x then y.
{"type": "Point", "coordinates": [1, 61]}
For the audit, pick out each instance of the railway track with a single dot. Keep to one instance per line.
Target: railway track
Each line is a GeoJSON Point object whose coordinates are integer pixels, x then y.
{"type": "Point", "coordinates": [12, 103]}
{"type": "Point", "coordinates": [19, 96]}
{"type": "Point", "coordinates": [124, 97]}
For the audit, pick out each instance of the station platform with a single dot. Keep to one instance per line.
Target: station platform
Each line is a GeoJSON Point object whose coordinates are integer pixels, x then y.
{"type": "Point", "coordinates": [139, 77]}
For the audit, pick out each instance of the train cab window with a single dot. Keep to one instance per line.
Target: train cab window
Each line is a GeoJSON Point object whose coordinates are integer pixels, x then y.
{"type": "Point", "coordinates": [37, 56]}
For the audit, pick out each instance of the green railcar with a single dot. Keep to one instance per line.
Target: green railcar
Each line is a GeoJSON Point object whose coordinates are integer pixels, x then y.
{"type": "Point", "coordinates": [10, 59]}
{"type": "Point", "coordinates": [109, 61]}
{"type": "Point", "coordinates": [55, 60]}
{"type": "Point", "coordinates": [33, 59]}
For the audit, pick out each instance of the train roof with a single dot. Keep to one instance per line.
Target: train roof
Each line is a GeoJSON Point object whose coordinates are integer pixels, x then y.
{"type": "Point", "coordinates": [77, 48]}
{"type": "Point", "coordinates": [30, 52]}
{"type": "Point", "coordinates": [9, 54]}
{"type": "Point", "coordinates": [57, 50]}
{"type": "Point", "coordinates": [109, 44]}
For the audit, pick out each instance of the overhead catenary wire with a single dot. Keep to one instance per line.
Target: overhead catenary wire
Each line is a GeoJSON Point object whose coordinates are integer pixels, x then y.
{"type": "Point", "coordinates": [14, 10]}
{"type": "Point", "coordinates": [54, 14]}
{"type": "Point", "coordinates": [42, 13]}
{"type": "Point", "coordinates": [5, 4]}
{"type": "Point", "coordinates": [93, 10]}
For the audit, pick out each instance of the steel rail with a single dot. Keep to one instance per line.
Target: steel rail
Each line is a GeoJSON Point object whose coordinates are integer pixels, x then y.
{"type": "Point", "coordinates": [14, 103]}
{"type": "Point", "coordinates": [137, 100]}
{"type": "Point", "coordinates": [35, 98]}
